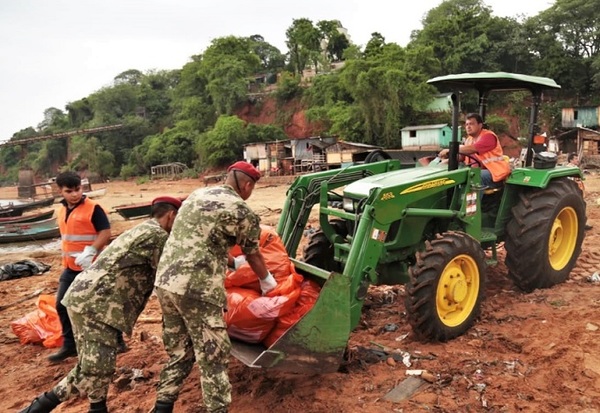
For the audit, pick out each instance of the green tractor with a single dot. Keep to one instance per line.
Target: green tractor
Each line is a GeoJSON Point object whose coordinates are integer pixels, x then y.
{"type": "Point", "coordinates": [432, 228]}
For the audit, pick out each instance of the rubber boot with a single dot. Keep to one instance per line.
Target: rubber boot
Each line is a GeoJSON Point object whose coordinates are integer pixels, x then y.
{"type": "Point", "coordinates": [163, 407]}
{"type": "Point", "coordinates": [98, 407]}
{"type": "Point", "coordinates": [44, 403]}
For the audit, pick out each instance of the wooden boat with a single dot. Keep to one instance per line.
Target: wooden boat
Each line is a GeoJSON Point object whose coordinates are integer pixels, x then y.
{"type": "Point", "coordinates": [25, 226]}
{"type": "Point", "coordinates": [96, 193]}
{"type": "Point", "coordinates": [17, 209]}
{"type": "Point", "coordinates": [30, 235]}
{"type": "Point", "coordinates": [134, 211]}
{"type": "Point", "coordinates": [27, 218]}
{"type": "Point", "coordinates": [139, 210]}
{"type": "Point", "coordinates": [31, 231]}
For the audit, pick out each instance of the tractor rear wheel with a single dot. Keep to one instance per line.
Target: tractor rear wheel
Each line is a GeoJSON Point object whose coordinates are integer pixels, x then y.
{"type": "Point", "coordinates": [446, 287]}
{"type": "Point", "coordinates": [319, 250]}
{"type": "Point", "coordinates": [544, 237]}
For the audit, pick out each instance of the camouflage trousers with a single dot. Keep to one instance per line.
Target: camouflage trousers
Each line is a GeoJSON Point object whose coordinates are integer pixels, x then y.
{"type": "Point", "coordinates": [97, 351]}
{"type": "Point", "coordinates": [194, 331]}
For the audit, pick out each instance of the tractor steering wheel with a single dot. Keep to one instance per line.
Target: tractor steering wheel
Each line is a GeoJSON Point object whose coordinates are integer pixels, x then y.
{"type": "Point", "coordinates": [473, 159]}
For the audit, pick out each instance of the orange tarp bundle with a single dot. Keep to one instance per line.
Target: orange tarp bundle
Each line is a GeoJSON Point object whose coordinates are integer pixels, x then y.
{"type": "Point", "coordinates": [41, 325]}
{"type": "Point", "coordinates": [276, 258]}
{"type": "Point", "coordinates": [309, 292]}
{"type": "Point", "coordinates": [250, 316]}
{"type": "Point", "coordinates": [253, 318]}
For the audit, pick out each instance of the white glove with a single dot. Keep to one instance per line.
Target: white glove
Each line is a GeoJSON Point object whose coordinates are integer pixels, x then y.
{"type": "Point", "coordinates": [238, 261]}
{"type": "Point", "coordinates": [84, 259]}
{"type": "Point", "coordinates": [267, 283]}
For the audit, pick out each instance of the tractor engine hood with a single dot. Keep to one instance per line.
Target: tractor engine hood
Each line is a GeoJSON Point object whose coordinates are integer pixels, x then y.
{"type": "Point", "coordinates": [362, 188]}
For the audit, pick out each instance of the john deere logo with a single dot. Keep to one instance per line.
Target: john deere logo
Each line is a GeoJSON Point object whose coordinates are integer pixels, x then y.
{"type": "Point", "coordinates": [428, 185]}
{"type": "Point", "coordinates": [387, 196]}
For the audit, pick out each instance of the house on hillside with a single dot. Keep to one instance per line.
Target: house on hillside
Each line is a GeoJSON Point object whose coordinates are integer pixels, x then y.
{"type": "Point", "coordinates": [309, 153]}
{"type": "Point", "coordinates": [344, 153]}
{"type": "Point", "coordinates": [426, 137]}
{"type": "Point", "coordinates": [582, 116]}
{"type": "Point", "coordinates": [269, 157]}
{"type": "Point", "coordinates": [581, 140]}
{"type": "Point", "coordinates": [582, 136]}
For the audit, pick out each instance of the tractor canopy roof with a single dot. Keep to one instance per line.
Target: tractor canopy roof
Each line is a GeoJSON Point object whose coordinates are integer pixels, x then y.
{"type": "Point", "coordinates": [488, 81]}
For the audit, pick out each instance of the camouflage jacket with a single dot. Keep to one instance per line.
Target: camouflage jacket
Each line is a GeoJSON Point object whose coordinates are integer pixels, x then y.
{"type": "Point", "coordinates": [210, 221]}
{"type": "Point", "coordinates": [117, 286]}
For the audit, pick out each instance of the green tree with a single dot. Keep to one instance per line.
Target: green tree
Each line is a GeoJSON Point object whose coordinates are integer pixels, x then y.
{"type": "Point", "coordinates": [304, 44]}
{"type": "Point", "coordinates": [272, 60]}
{"type": "Point", "coordinates": [223, 144]}
{"type": "Point", "coordinates": [458, 32]}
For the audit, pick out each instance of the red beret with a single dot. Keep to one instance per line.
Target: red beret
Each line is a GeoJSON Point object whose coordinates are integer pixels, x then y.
{"type": "Point", "coordinates": [245, 168]}
{"type": "Point", "coordinates": [167, 200]}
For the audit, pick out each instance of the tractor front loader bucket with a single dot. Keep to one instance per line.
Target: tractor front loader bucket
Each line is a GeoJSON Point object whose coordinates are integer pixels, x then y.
{"type": "Point", "coordinates": [316, 343]}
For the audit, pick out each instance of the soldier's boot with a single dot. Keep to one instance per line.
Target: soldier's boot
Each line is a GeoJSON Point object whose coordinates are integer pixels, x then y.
{"type": "Point", "coordinates": [98, 407]}
{"type": "Point", "coordinates": [162, 407]}
{"type": "Point", "coordinates": [44, 403]}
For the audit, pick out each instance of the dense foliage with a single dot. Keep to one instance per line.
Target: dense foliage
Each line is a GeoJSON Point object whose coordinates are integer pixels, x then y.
{"type": "Point", "coordinates": [189, 115]}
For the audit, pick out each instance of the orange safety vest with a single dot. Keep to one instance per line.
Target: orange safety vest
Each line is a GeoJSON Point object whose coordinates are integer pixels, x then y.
{"type": "Point", "coordinates": [494, 160]}
{"type": "Point", "coordinates": [77, 231]}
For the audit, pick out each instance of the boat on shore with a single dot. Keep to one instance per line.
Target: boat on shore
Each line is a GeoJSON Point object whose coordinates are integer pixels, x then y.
{"type": "Point", "coordinates": [23, 226]}
{"type": "Point", "coordinates": [27, 218]}
{"type": "Point", "coordinates": [139, 210]}
{"type": "Point", "coordinates": [96, 193]}
{"type": "Point", "coordinates": [29, 231]}
{"type": "Point", "coordinates": [16, 208]}
{"type": "Point", "coordinates": [134, 211]}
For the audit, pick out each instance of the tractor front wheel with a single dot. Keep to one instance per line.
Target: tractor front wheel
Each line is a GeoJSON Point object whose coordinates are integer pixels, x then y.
{"type": "Point", "coordinates": [319, 250]}
{"type": "Point", "coordinates": [446, 287]}
{"type": "Point", "coordinates": [544, 237]}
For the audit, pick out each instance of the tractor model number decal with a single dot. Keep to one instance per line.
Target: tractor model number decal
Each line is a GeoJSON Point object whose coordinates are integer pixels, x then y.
{"type": "Point", "coordinates": [387, 196]}
{"type": "Point", "coordinates": [471, 203]}
{"type": "Point", "coordinates": [378, 235]}
{"type": "Point", "coordinates": [428, 185]}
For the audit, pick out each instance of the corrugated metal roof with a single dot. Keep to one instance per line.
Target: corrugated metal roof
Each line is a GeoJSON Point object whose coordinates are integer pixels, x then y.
{"type": "Point", "coordinates": [425, 127]}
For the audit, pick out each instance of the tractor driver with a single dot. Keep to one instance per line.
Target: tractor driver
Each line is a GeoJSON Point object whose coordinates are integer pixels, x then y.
{"type": "Point", "coordinates": [483, 146]}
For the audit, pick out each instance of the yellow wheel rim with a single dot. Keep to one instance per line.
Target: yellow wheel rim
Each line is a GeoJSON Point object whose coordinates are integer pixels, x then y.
{"type": "Point", "coordinates": [563, 237]}
{"type": "Point", "coordinates": [457, 290]}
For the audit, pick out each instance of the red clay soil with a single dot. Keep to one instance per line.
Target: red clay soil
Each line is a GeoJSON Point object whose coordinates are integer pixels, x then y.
{"type": "Point", "coordinates": [293, 116]}
{"type": "Point", "coordinates": [537, 352]}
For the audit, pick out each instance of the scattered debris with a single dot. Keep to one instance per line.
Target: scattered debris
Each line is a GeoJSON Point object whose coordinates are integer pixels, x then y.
{"type": "Point", "coordinates": [405, 389]}
{"type": "Point", "coordinates": [591, 327]}
{"type": "Point", "coordinates": [402, 337]}
{"type": "Point", "coordinates": [594, 278]}
{"type": "Point", "coordinates": [397, 354]}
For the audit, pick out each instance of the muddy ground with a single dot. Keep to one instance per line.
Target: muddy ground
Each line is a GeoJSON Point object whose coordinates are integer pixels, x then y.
{"type": "Point", "coordinates": [537, 352]}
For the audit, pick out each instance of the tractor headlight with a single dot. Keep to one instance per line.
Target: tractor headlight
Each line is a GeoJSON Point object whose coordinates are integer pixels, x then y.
{"type": "Point", "coordinates": [348, 205]}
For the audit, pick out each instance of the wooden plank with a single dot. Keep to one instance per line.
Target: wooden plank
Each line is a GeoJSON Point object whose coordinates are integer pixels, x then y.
{"type": "Point", "coordinates": [404, 390]}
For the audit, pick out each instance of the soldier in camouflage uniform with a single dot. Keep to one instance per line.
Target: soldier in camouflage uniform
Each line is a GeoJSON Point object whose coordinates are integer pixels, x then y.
{"type": "Point", "coordinates": [106, 299]}
{"type": "Point", "coordinates": [190, 285]}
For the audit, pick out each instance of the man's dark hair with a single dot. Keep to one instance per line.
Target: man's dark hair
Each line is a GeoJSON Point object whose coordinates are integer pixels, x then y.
{"type": "Point", "coordinates": [571, 156]}
{"type": "Point", "coordinates": [68, 179]}
{"type": "Point", "coordinates": [475, 116]}
{"type": "Point", "coordinates": [161, 208]}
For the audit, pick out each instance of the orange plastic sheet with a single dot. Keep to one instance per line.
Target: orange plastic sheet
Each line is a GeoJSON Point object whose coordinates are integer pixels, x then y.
{"type": "Point", "coordinates": [250, 317]}
{"type": "Point", "coordinates": [41, 325]}
{"type": "Point", "coordinates": [309, 292]}
{"type": "Point", "coordinates": [276, 258]}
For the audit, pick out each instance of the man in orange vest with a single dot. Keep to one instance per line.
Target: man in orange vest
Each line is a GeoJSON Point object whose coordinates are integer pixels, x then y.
{"type": "Point", "coordinates": [85, 231]}
{"type": "Point", "coordinates": [483, 146]}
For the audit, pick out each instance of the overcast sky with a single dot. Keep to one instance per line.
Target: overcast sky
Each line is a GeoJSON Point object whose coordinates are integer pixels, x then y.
{"type": "Point", "coordinates": [53, 52]}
